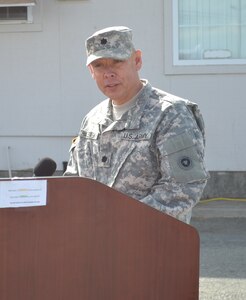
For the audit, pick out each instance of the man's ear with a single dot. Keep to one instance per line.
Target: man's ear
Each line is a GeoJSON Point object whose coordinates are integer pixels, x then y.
{"type": "Point", "coordinates": [138, 59]}
{"type": "Point", "coordinates": [91, 71]}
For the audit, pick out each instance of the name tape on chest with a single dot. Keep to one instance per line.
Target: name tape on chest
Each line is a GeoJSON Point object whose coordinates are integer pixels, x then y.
{"type": "Point", "coordinates": [135, 136]}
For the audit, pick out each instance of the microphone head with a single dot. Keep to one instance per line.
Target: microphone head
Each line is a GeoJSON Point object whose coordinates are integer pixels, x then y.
{"type": "Point", "coordinates": [45, 167]}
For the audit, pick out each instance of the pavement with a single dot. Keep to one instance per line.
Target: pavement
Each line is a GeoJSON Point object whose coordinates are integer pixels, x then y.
{"type": "Point", "coordinates": [222, 229]}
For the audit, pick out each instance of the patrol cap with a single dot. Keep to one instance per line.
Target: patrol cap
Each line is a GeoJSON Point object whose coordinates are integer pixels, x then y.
{"type": "Point", "coordinates": [111, 42]}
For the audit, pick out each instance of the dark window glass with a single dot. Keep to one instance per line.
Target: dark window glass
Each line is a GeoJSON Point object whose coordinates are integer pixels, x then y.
{"type": "Point", "coordinates": [13, 13]}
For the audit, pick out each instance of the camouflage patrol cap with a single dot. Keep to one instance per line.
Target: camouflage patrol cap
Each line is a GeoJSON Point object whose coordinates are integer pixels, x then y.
{"type": "Point", "coordinates": [112, 42]}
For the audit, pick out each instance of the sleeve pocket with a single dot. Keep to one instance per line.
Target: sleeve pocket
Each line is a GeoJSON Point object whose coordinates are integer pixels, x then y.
{"type": "Point", "coordinates": [185, 162]}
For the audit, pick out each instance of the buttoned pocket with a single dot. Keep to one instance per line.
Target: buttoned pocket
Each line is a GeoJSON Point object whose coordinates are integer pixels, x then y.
{"type": "Point", "coordinates": [184, 158]}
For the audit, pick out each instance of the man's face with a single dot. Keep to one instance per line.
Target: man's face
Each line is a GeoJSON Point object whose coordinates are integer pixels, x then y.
{"type": "Point", "coordinates": [118, 80]}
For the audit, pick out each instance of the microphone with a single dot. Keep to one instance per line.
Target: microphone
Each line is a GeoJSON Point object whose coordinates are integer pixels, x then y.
{"type": "Point", "coordinates": [45, 167]}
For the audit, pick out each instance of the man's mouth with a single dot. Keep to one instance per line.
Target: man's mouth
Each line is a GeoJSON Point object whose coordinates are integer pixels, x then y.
{"type": "Point", "coordinates": [111, 85]}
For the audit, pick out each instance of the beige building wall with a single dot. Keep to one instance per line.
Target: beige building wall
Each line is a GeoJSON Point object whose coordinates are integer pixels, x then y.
{"type": "Point", "coordinates": [46, 89]}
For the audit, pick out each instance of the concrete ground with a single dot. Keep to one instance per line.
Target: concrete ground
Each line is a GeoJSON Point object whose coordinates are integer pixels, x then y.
{"type": "Point", "coordinates": [222, 229]}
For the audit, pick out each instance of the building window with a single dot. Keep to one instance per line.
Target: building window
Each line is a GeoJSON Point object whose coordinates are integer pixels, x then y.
{"type": "Point", "coordinates": [14, 11]}
{"type": "Point", "coordinates": [209, 32]}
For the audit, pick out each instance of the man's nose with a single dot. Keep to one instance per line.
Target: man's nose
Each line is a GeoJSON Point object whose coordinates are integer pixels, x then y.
{"type": "Point", "coordinates": [109, 74]}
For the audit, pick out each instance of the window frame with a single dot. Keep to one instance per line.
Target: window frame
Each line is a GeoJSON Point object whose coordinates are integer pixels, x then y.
{"type": "Point", "coordinates": [175, 66]}
{"type": "Point", "coordinates": [34, 22]}
{"type": "Point", "coordinates": [28, 20]}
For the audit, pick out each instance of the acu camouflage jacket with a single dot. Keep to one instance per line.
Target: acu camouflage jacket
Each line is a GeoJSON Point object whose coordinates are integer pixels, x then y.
{"type": "Point", "coordinates": [154, 153]}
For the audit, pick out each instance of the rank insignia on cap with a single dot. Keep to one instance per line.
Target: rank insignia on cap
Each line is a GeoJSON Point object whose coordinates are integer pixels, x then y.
{"type": "Point", "coordinates": [111, 42]}
{"type": "Point", "coordinates": [185, 163]}
{"type": "Point", "coordinates": [104, 41]}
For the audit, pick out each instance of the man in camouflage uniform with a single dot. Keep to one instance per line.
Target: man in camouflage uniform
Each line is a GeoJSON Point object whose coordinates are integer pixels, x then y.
{"type": "Point", "coordinates": [141, 141]}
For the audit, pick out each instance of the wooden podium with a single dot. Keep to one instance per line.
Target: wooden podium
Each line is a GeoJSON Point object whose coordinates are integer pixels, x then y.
{"type": "Point", "coordinates": [91, 242]}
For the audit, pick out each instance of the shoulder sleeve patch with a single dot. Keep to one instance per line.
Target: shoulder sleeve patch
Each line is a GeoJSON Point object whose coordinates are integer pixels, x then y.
{"type": "Point", "coordinates": [185, 162]}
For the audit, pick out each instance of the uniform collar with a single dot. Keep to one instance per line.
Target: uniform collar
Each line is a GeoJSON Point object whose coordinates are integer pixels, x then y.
{"type": "Point", "coordinates": [134, 115]}
{"type": "Point", "coordinates": [131, 119]}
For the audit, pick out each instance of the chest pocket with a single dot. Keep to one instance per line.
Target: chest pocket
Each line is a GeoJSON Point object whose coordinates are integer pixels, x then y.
{"type": "Point", "coordinates": [118, 163]}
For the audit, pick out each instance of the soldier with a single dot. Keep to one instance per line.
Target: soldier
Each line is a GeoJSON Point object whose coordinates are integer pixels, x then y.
{"type": "Point", "coordinates": [141, 141]}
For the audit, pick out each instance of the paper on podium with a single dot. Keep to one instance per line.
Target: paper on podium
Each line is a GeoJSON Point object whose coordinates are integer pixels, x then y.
{"type": "Point", "coordinates": [23, 193]}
